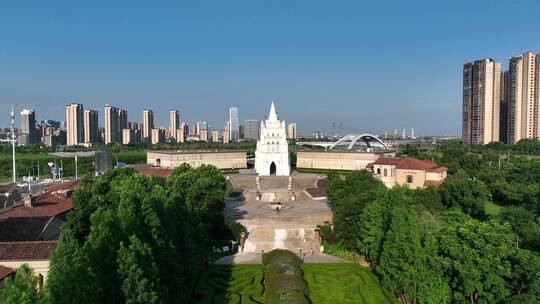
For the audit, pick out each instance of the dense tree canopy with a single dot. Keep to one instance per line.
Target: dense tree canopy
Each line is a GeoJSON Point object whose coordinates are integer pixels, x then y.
{"type": "Point", "coordinates": [137, 239]}
{"type": "Point", "coordinates": [22, 288]}
{"type": "Point", "coordinates": [439, 245]}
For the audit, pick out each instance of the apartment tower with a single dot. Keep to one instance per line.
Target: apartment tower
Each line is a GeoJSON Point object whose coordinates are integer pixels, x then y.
{"type": "Point", "coordinates": [91, 126]}
{"type": "Point", "coordinates": [115, 121]}
{"type": "Point", "coordinates": [291, 131]}
{"type": "Point", "coordinates": [28, 127]}
{"type": "Point", "coordinates": [174, 123]}
{"type": "Point", "coordinates": [148, 124]}
{"type": "Point", "coordinates": [74, 124]}
{"type": "Point", "coordinates": [481, 101]}
{"type": "Point", "coordinates": [524, 97]}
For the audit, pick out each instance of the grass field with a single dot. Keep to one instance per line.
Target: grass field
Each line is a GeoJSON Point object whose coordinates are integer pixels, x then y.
{"type": "Point", "coordinates": [235, 284]}
{"type": "Point", "coordinates": [344, 283]}
{"type": "Point", "coordinates": [492, 209]}
{"type": "Point", "coordinates": [327, 284]}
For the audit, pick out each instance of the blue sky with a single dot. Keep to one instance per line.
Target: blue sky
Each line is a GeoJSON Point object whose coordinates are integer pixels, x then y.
{"type": "Point", "coordinates": [374, 65]}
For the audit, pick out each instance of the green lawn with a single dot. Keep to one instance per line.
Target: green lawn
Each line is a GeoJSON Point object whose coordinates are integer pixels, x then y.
{"type": "Point", "coordinates": [344, 283]}
{"type": "Point", "coordinates": [327, 284]}
{"type": "Point", "coordinates": [492, 209]}
{"type": "Point", "coordinates": [238, 284]}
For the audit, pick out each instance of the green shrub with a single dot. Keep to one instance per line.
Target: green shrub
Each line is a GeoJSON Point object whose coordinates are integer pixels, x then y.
{"type": "Point", "coordinates": [283, 278]}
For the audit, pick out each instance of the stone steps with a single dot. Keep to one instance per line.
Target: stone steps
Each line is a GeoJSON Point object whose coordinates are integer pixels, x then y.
{"type": "Point", "coordinates": [294, 239]}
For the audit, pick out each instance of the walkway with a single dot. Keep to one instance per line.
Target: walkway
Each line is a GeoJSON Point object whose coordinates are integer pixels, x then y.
{"type": "Point", "coordinates": [255, 258]}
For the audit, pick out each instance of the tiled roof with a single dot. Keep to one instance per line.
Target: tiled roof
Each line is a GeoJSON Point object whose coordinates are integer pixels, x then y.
{"type": "Point", "coordinates": [387, 161]}
{"type": "Point", "coordinates": [67, 185]}
{"type": "Point", "coordinates": [416, 164]}
{"type": "Point", "coordinates": [161, 172]}
{"type": "Point", "coordinates": [45, 205]}
{"type": "Point", "coordinates": [22, 228]}
{"type": "Point", "coordinates": [410, 163]}
{"type": "Point", "coordinates": [438, 169]}
{"type": "Point", "coordinates": [7, 187]}
{"type": "Point", "coordinates": [5, 272]}
{"type": "Point", "coordinates": [26, 251]}
{"type": "Point", "coordinates": [22, 223]}
{"type": "Point", "coordinates": [433, 183]}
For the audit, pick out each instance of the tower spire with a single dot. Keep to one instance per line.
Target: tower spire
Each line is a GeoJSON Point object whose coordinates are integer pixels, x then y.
{"type": "Point", "coordinates": [272, 115]}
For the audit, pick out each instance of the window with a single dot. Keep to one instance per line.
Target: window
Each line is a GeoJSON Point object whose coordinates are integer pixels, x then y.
{"type": "Point", "coordinates": [385, 172]}
{"type": "Point", "coordinates": [409, 179]}
{"type": "Point", "coordinates": [378, 170]}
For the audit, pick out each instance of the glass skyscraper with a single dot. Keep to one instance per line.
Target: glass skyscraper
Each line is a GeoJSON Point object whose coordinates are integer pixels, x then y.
{"type": "Point", "coordinates": [234, 124]}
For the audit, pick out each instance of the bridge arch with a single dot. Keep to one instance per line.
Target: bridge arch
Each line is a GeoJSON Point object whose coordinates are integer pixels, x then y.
{"type": "Point", "coordinates": [351, 139]}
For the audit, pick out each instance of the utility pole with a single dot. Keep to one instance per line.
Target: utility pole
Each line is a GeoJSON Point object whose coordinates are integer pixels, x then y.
{"type": "Point", "coordinates": [13, 141]}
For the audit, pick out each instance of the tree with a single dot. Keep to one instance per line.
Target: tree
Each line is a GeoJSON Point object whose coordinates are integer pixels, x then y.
{"type": "Point", "coordinates": [525, 276]}
{"type": "Point", "coordinates": [348, 195]}
{"type": "Point", "coordinates": [468, 195]}
{"type": "Point", "coordinates": [475, 256]}
{"type": "Point", "coordinates": [138, 272]}
{"type": "Point", "coordinates": [69, 279]}
{"type": "Point", "coordinates": [101, 249]}
{"type": "Point", "coordinates": [22, 289]}
{"type": "Point", "coordinates": [375, 219]}
{"type": "Point", "coordinates": [405, 265]}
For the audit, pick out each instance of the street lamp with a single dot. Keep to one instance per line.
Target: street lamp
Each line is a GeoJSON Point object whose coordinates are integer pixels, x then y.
{"type": "Point", "coordinates": [13, 141]}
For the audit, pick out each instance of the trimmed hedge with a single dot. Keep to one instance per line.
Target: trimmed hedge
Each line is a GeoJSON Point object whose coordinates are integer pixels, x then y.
{"type": "Point", "coordinates": [283, 278]}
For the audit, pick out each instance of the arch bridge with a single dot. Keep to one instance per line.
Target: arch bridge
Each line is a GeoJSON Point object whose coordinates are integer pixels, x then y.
{"type": "Point", "coordinates": [353, 142]}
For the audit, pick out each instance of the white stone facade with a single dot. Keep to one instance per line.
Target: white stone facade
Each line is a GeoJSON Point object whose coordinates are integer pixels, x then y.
{"type": "Point", "coordinates": [272, 154]}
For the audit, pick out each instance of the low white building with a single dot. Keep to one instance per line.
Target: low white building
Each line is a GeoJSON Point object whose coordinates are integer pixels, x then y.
{"type": "Point", "coordinates": [272, 154]}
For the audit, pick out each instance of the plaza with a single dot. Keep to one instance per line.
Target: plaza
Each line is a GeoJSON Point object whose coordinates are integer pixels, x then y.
{"type": "Point", "coordinates": [279, 211]}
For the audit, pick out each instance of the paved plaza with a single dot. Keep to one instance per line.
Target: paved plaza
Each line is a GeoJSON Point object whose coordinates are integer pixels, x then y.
{"type": "Point", "coordinates": [278, 212]}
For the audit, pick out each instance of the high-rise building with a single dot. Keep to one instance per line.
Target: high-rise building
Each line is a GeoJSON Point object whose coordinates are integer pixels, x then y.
{"type": "Point", "coordinates": [204, 135]}
{"type": "Point", "coordinates": [127, 136]}
{"type": "Point", "coordinates": [182, 133]}
{"type": "Point", "coordinates": [503, 116]}
{"type": "Point", "coordinates": [523, 97]}
{"type": "Point", "coordinates": [199, 127]}
{"type": "Point", "coordinates": [234, 124]}
{"type": "Point", "coordinates": [115, 120]}
{"type": "Point", "coordinates": [74, 124]}
{"type": "Point", "coordinates": [158, 135]}
{"type": "Point", "coordinates": [291, 131]}
{"type": "Point", "coordinates": [174, 123]}
{"type": "Point", "coordinates": [28, 127]}
{"type": "Point", "coordinates": [215, 136]}
{"type": "Point", "coordinates": [148, 124]}
{"type": "Point", "coordinates": [481, 101]}
{"type": "Point", "coordinates": [91, 126]}
{"type": "Point", "coordinates": [251, 129]}
{"type": "Point", "coordinates": [226, 133]}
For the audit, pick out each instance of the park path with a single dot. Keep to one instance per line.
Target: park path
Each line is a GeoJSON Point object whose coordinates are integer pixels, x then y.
{"type": "Point", "coordinates": [255, 258]}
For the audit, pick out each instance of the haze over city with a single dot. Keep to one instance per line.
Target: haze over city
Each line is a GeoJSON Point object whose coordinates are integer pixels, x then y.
{"type": "Point", "coordinates": [372, 66]}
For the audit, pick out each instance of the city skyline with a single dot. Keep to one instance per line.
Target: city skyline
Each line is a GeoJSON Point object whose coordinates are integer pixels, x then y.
{"type": "Point", "coordinates": [321, 63]}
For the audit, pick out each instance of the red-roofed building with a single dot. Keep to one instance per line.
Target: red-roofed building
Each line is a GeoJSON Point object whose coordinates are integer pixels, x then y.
{"type": "Point", "coordinates": [414, 173]}
{"type": "Point", "coordinates": [157, 171]}
{"type": "Point", "coordinates": [5, 272]}
{"type": "Point", "coordinates": [34, 254]}
{"type": "Point", "coordinates": [38, 218]}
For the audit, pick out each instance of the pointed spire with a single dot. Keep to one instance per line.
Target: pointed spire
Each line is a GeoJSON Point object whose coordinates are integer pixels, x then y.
{"type": "Point", "coordinates": [272, 115]}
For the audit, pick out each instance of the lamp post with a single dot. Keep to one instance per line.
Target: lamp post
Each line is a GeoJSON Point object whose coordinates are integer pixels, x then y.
{"type": "Point", "coordinates": [13, 141]}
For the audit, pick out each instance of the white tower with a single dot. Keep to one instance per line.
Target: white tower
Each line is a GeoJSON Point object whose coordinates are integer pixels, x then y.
{"type": "Point", "coordinates": [272, 154]}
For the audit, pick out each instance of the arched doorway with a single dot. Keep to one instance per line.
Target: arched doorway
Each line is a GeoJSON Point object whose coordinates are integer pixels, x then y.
{"type": "Point", "coordinates": [273, 168]}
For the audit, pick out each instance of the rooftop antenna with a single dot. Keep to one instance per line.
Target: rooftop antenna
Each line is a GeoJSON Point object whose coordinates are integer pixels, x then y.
{"type": "Point", "coordinates": [13, 141]}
